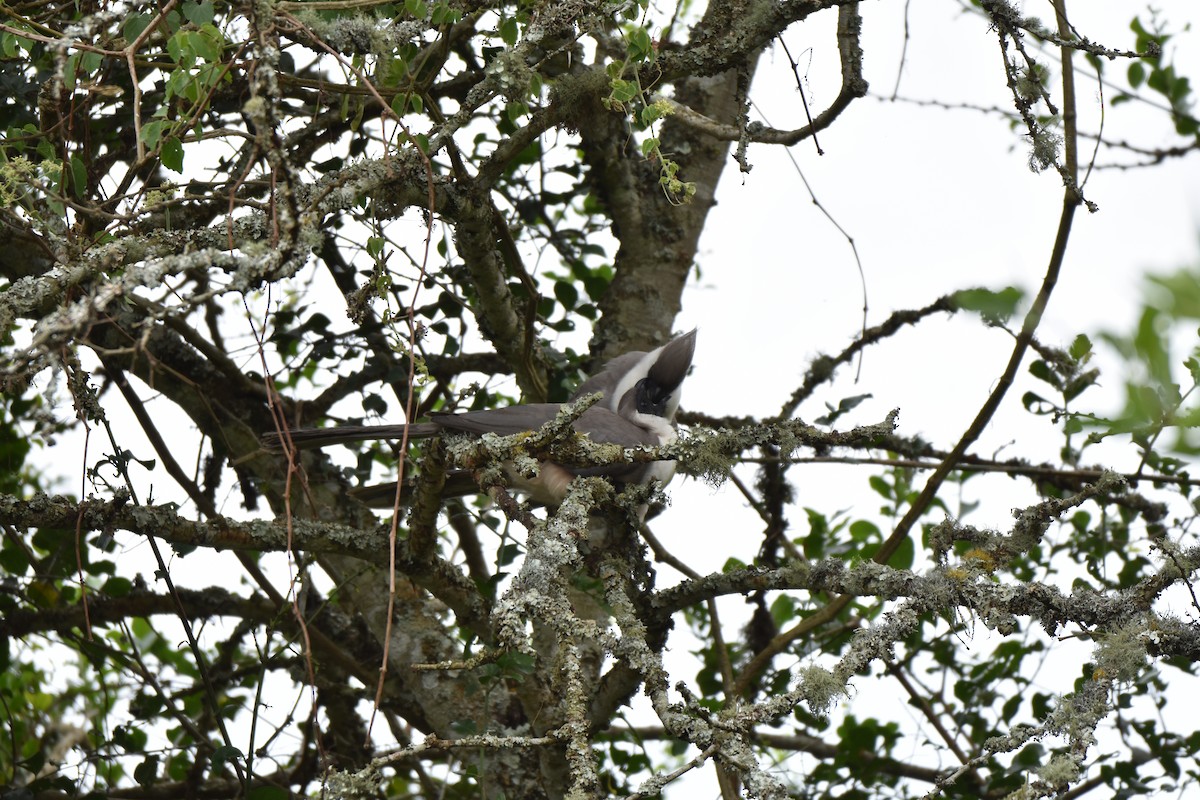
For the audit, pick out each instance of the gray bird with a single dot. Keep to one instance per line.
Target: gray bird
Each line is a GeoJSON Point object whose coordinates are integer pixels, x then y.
{"type": "Point", "coordinates": [640, 395]}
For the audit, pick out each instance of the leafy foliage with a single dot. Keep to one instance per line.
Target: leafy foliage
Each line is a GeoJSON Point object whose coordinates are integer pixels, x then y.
{"type": "Point", "coordinates": [191, 194]}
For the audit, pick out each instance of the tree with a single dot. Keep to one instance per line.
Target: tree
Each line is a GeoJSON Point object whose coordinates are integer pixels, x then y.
{"type": "Point", "coordinates": [193, 190]}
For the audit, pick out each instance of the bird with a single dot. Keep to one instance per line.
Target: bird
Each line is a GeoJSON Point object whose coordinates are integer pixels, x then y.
{"type": "Point", "coordinates": [640, 393]}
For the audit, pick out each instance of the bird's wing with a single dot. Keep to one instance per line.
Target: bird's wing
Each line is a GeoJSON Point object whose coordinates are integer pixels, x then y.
{"type": "Point", "coordinates": [597, 422]}
{"type": "Point", "coordinates": [603, 426]}
{"type": "Point", "coordinates": [606, 427]}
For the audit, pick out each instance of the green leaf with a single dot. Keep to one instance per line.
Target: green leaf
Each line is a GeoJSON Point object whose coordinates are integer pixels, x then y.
{"type": "Point", "coordinates": [146, 773]}
{"type": "Point", "coordinates": [1042, 371]}
{"type": "Point", "coordinates": [134, 24]}
{"type": "Point", "coordinates": [14, 560]}
{"type": "Point", "coordinates": [509, 30]}
{"type": "Point", "coordinates": [171, 154]}
{"type": "Point", "coordinates": [12, 44]}
{"type": "Point", "coordinates": [198, 13]}
{"type": "Point", "coordinates": [567, 294]}
{"type": "Point", "coordinates": [1136, 74]}
{"type": "Point", "coordinates": [464, 727]}
{"type": "Point", "coordinates": [400, 105]}
{"type": "Point", "coordinates": [78, 175]}
{"type": "Point", "coordinates": [1150, 343]}
{"type": "Point", "coordinates": [175, 48]}
{"type": "Point", "coordinates": [45, 149]}
{"type": "Point", "coordinates": [1081, 347]}
{"type": "Point", "coordinates": [1078, 385]}
{"type": "Point", "coordinates": [90, 62]}
{"type": "Point", "coordinates": [129, 738]}
{"type": "Point", "coordinates": [623, 91]}
{"type": "Point", "coordinates": [783, 609]}
{"type": "Point", "coordinates": [1193, 368]}
{"type": "Point", "coordinates": [991, 305]}
{"type": "Point", "coordinates": [515, 664]}
{"type": "Point", "coordinates": [1177, 293]}
{"type": "Point", "coordinates": [862, 530]}
{"type": "Point", "coordinates": [206, 43]}
{"type": "Point", "coordinates": [905, 555]}
{"type": "Point", "coordinates": [845, 405]}
{"type": "Point", "coordinates": [267, 793]}
{"type": "Point", "coordinates": [1037, 404]}
{"type": "Point", "coordinates": [515, 110]}
{"type": "Point", "coordinates": [443, 14]}
{"type": "Point", "coordinates": [69, 70]}
{"type": "Point", "coordinates": [330, 165]}
{"type": "Point", "coordinates": [117, 587]}
{"type": "Point", "coordinates": [224, 754]}
{"type": "Point", "coordinates": [639, 45]}
{"type": "Point", "coordinates": [881, 487]}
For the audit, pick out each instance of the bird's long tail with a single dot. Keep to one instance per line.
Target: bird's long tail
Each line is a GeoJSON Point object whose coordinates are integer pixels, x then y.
{"type": "Point", "coordinates": [305, 438]}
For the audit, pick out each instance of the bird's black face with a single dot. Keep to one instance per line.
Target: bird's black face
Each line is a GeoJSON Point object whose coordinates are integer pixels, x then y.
{"type": "Point", "coordinates": [651, 397]}
{"type": "Point", "coordinates": [656, 393]}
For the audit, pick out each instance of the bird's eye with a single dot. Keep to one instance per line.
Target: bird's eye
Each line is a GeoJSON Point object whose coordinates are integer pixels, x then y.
{"type": "Point", "coordinates": [650, 397]}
